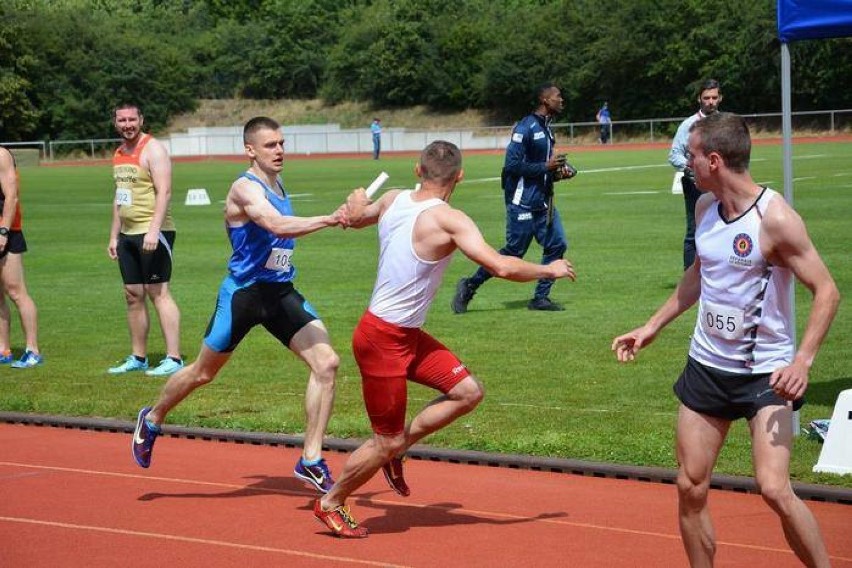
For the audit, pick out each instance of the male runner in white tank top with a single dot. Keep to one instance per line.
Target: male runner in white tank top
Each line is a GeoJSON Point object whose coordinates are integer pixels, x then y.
{"type": "Point", "coordinates": [742, 362]}
{"type": "Point", "coordinates": [418, 232]}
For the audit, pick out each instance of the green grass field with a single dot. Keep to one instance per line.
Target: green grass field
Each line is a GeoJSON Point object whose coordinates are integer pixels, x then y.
{"type": "Point", "coordinates": [553, 386]}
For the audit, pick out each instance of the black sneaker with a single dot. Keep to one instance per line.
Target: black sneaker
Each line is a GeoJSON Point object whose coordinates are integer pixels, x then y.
{"type": "Point", "coordinates": [545, 305]}
{"type": "Point", "coordinates": [464, 294]}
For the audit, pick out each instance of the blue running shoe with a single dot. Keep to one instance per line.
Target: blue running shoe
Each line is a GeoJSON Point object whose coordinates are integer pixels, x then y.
{"type": "Point", "coordinates": [27, 360]}
{"type": "Point", "coordinates": [143, 438]}
{"type": "Point", "coordinates": [129, 364]}
{"type": "Point", "coordinates": [316, 474]}
{"type": "Point", "coordinates": [6, 358]}
{"type": "Point", "coordinates": [167, 366]}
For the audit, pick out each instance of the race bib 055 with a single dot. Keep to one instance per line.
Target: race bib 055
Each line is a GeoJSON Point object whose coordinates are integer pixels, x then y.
{"type": "Point", "coordinates": [722, 321]}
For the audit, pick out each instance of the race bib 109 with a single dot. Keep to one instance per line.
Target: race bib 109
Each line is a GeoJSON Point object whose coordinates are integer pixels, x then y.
{"type": "Point", "coordinates": [279, 259]}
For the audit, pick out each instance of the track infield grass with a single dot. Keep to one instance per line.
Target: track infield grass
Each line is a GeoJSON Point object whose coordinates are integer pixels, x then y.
{"type": "Point", "coordinates": [553, 386]}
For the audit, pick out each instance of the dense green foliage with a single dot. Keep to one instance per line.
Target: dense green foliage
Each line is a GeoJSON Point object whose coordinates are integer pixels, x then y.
{"type": "Point", "coordinates": [65, 63]}
{"type": "Point", "coordinates": [553, 387]}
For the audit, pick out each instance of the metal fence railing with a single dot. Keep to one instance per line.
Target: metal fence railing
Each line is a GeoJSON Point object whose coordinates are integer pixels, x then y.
{"type": "Point", "coordinates": [27, 153]}
{"type": "Point", "coordinates": [331, 139]}
{"type": "Point", "coordinates": [92, 148]}
{"type": "Point", "coordinates": [828, 122]}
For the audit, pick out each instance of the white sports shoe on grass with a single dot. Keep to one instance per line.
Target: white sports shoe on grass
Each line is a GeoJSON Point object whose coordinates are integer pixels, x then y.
{"type": "Point", "coordinates": [167, 366]}
{"type": "Point", "coordinates": [129, 364]}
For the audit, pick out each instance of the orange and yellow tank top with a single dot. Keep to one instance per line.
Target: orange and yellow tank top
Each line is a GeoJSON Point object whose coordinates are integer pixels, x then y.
{"type": "Point", "coordinates": [134, 191]}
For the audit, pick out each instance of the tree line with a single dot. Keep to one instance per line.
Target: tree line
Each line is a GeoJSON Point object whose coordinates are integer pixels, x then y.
{"type": "Point", "coordinates": [64, 64]}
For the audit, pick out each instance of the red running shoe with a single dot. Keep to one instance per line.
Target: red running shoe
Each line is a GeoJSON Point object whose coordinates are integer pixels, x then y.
{"type": "Point", "coordinates": [340, 521]}
{"type": "Point", "coordinates": [393, 473]}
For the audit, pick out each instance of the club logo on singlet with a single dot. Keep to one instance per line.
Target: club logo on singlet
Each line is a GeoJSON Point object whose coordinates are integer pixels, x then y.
{"type": "Point", "coordinates": [743, 245]}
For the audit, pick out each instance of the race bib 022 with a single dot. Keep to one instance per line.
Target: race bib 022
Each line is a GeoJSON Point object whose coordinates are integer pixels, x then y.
{"type": "Point", "coordinates": [123, 196]}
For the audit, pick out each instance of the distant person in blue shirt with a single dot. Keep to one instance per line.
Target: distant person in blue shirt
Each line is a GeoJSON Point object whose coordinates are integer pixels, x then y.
{"type": "Point", "coordinates": [605, 120]}
{"type": "Point", "coordinates": [376, 130]}
{"type": "Point", "coordinates": [258, 290]}
{"type": "Point", "coordinates": [529, 171]}
{"type": "Point", "coordinates": [709, 98]}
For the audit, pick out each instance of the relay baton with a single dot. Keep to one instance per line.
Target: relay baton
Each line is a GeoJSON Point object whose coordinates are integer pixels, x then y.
{"type": "Point", "coordinates": [377, 183]}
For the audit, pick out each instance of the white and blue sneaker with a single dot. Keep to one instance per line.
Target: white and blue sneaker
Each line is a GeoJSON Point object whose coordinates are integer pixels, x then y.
{"type": "Point", "coordinates": [129, 364]}
{"type": "Point", "coordinates": [167, 366]}
{"type": "Point", "coordinates": [27, 360]}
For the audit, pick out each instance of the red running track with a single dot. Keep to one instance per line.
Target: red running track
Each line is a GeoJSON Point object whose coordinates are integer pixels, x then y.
{"type": "Point", "coordinates": [75, 498]}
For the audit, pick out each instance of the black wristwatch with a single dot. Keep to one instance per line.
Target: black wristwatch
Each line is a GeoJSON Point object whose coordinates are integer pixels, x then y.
{"type": "Point", "coordinates": [4, 232]}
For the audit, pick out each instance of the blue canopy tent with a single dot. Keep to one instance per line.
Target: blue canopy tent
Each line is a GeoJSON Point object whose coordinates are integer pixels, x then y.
{"type": "Point", "coordinates": [814, 19]}
{"type": "Point", "coordinates": [798, 20]}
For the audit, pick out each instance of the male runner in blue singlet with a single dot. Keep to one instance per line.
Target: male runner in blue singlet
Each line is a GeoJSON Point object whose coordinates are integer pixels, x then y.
{"type": "Point", "coordinates": [258, 290]}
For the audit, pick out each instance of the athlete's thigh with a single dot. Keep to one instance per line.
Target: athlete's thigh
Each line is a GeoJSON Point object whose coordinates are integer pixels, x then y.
{"type": "Point", "coordinates": [383, 352]}
{"type": "Point", "coordinates": [157, 265]}
{"type": "Point", "coordinates": [435, 366]}
{"type": "Point", "coordinates": [156, 291]}
{"type": "Point", "coordinates": [312, 343]}
{"type": "Point", "coordinates": [210, 361]}
{"type": "Point", "coordinates": [235, 314]}
{"type": "Point", "coordinates": [699, 440]}
{"type": "Point", "coordinates": [129, 252]}
{"type": "Point", "coordinates": [11, 271]}
{"type": "Point", "coordinates": [771, 440]}
{"type": "Point", "coordinates": [287, 313]}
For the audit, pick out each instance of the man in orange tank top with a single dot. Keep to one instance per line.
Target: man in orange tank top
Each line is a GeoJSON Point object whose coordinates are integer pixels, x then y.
{"type": "Point", "coordinates": [12, 246]}
{"type": "Point", "coordinates": [141, 239]}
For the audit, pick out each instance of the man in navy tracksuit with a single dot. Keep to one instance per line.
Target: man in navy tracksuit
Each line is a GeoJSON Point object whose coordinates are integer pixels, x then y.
{"type": "Point", "coordinates": [528, 175]}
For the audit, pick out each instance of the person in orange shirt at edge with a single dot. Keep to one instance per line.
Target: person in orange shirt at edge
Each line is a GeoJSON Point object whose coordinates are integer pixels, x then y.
{"type": "Point", "coordinates": [12, 246]}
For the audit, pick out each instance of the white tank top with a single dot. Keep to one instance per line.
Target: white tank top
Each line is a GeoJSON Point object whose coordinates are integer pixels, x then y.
{"type": "Point", "coordinates": [745, 309]}
{"type": "Point", "coordinates": [406, 284]}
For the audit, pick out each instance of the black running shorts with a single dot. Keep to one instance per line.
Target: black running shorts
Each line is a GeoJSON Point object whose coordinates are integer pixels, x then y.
{"type": "Point", "coordinates": [277, 306]}
{"type": "Point", "coordinates": [145, 268]}
{"type": "Point", "coordinates": [726, 395]}
{"type": "Point", "coordinates": [15, 243]}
